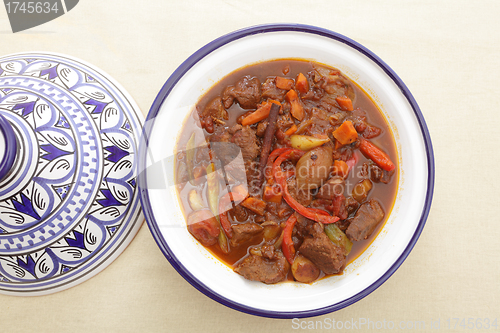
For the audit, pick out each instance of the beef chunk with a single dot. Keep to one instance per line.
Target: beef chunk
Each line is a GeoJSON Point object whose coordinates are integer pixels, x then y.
{"type": "Point", "coordinates": [386, 176]}
{"type": "Point", "coordinates": [321, 122]}
{"type": "Point", "coordinates": [364, 222]}
{"type": "Point", "coordinates": [269, 90]}
{"type": "Point", "coordinates": [371, 132]}
{"type": "Point", "coordinates": [344, 224]}
{"type": "Point", "coordinates": [246, 91]}
{"type": "Point", "coordinates": [227, 152]}
{"type": "Point", "coordinates": [244, 232]}
{"type": "Point", "coordinates": [322, 252]}
{"type": "Point", "coordinates": [344, 153]}
{"type": "Point", "coordinates": [239, 213]}
{"type": "Point", "coordinates": [258, 268]}
{"type": "Point", "coordinates": [304, 197]}
{"type": "Point", "coordinates": [284, 122]}
{"type": "Point", "coordinates": [261, 128]}
{"type": "Point", "coordinates": [236, 174]}
{"type": "Point", "coordinates": [376, 174]}
{"type": "Point", "coordinates": [314, 94]}
{"type": "Point", "coordinates": [215, 109]}
{"type": "Point", "coordinates": [268, 251]}
{"type": "Point", "coordinates": [227, 148]}
{"type": "Point", "coordinates": [221, 145]}
{"type": "Point", "coordinates": [339, 207]}
{"type": "Point", "coordinates": [221, 135]}
{"type": "Point", "coordinates": [212, 114]}
{"type": "Point", "coordinates": [332, 82]}
{"type": "Point", "coordinates": [252, 173]}
{"type": "Point", "coordinates": [235, 128]}
{"type": "Point", "coordinates": [246, 139]}
{"type": "Point", "coordinates": [334, 186]}
{"type": "Point", "coordinates": [351, 205]}
{"type": "Point", "coordinates": [303, 226]}
{"type": "Point", "coordinates": [322, 204]}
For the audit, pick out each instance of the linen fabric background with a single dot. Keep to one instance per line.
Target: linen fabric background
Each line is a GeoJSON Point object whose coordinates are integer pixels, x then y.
{"type": "Point", "coordinates": [447, 54]}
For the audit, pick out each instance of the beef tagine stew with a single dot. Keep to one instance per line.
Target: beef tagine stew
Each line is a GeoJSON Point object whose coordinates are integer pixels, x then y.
{"type": "Point", "coordinates": [286, 170]}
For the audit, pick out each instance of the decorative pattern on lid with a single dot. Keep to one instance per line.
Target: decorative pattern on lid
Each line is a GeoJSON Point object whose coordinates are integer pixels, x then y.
{"type": "Point", "coordinates": [70, 204]}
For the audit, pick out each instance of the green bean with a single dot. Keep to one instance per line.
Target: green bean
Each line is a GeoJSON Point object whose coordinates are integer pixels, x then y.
{"type": "Point", "coordinates": [338, 237]}
{"type": "Point", "coordinates": [190, 151]}
{"type": "Point", "coordinates": [213, 203]}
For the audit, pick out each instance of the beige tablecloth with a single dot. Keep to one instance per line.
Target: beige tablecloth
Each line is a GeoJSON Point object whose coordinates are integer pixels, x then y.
{"type": "Point", "coordinates": [447, 53]}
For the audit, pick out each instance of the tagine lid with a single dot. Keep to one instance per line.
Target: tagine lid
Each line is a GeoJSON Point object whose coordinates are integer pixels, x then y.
{"type": "Point", "coordinates": [69, 202]}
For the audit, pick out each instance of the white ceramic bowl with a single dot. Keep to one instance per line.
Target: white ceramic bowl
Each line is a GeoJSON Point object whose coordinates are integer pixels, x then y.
{"type": "Point", "coordinates": [163, 211]}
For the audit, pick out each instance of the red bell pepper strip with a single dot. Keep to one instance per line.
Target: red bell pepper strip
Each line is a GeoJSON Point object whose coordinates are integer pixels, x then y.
{"type": "Point", "coordinates": [376, 155]}
{"type": "Point", "coordinates": [319, 211]}
{"type": "Point", "coordinates": [224, 206]}
{"type": "Point", "coordinates": [351, 163]}
{"type": "Point", "coordinates": [270, 160]}
{"type": "Point", "coordinates": [287, 244]}
{"type": "Point", "coordinates": [281, 180]}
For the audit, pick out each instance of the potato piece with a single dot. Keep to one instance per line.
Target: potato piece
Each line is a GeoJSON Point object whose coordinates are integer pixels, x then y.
{"type": "Point", "coordinates": [313, 168]}
{"type": "Point", "coordinates": [361, 189]}
{"type": "Point", "coordinates": [304, 270]}
{"type": "Point", "coordinates": [271, 230]}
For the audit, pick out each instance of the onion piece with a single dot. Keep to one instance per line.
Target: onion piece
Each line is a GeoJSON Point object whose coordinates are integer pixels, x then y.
{"type": "Point", "coordinates": [306, 142]}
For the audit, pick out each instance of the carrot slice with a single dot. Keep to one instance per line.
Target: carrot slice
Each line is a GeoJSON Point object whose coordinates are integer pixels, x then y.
{"type": "Point", "coordinates": [291, 130]}
{"type": "Point", "coordinates": [345, 103]}
{"type": "Point", "coordinates": [301, 84]}
{"type": "Point", "coordinates": [258, 115]}
{"type": "Point", "coordinates": [284, 83]}
{"type": "Point", "coordinates": [297, 110]}
{"type": "Point", "coordinates": [338, 145]}
{"type": "Point", "coordinates": [272, 194]}
{"type": "Point", "coordinates": [255, 205]}
{"type": "Point", "coordinates": [273, 101]}
{"type": "Point", "coordinates": [340, 168]}
{"type": "Point", "coordinates": [346, 133]}
{"type": "Point", "coordinates": [376, 155]}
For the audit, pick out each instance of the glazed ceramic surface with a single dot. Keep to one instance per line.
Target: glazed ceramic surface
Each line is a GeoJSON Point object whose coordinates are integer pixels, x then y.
{"type": "Point", "coordinates": [8, 147]}
{"type": "Point", "coordinates": [69, 204]}
{"type": "Point", "coordinates": [289, 299]}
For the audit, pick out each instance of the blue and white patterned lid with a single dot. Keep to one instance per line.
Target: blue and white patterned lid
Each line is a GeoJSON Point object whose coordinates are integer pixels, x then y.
{"type": "Point", "coordinates": [8, 147]}
{"type": "Point", "coordinates": [69, 205]}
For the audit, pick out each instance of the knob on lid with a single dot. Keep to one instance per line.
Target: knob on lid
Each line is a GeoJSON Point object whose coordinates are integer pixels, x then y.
{"type": "Point", "coordinates": [8, 147]}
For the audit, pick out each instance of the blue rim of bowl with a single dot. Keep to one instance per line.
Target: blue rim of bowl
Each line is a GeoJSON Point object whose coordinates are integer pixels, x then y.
{"type": "Point", "coordinates": [10, 147]}
{"type": "Point", "coordinates": [165, 91]}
